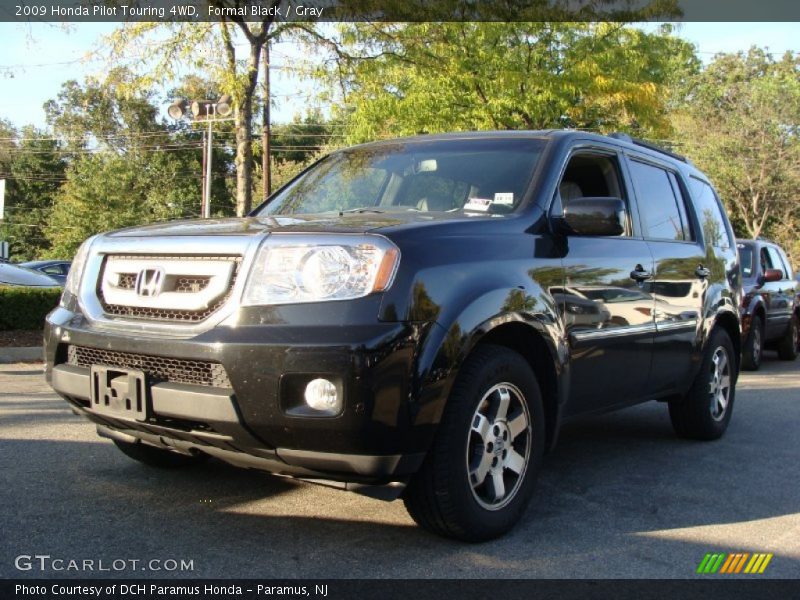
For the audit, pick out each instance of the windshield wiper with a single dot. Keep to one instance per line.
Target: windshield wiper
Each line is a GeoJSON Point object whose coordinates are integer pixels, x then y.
{"type": "Point", "coordinates": [360, 210]}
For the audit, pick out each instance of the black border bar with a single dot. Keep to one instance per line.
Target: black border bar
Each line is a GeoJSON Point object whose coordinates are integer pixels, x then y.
{"type": "Point", "coordinates": [386, 589]}
{"type": "Point", "coordinates": [76, 11]}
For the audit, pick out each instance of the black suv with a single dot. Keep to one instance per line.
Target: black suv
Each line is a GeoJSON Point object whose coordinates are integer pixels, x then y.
{"type": "Point", "coordinates": [414, 317]}
{"type": "Point", "coordinates": [770, 307]}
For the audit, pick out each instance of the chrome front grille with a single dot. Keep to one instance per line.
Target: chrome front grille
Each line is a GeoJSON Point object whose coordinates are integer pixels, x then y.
{"type": "Point", "coordinates": [159, 368]}
{"type": "Point", "coordinates": [193, 287]}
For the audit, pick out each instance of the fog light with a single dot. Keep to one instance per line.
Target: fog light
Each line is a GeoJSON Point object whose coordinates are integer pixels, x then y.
{"type": "Point", "coordinates": [321, 395]}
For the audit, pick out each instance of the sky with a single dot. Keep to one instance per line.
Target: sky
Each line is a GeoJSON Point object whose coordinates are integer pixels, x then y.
{"type": "Point", "coordinates": [36, 58]}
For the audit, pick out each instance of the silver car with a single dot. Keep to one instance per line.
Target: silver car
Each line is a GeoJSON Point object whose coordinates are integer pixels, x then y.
{"type": "Point", "coordinates": [14, 275]}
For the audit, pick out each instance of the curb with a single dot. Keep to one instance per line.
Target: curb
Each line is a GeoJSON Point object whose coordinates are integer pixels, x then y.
{"type": "Point", "coordinates": [26, 354]}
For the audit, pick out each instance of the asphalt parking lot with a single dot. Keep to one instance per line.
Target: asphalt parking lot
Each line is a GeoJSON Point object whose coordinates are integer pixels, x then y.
{"type": "Point", "coordinates": [620, 497]}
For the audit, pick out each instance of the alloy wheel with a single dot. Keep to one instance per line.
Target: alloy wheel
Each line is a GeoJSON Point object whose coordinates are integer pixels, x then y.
{"type": "Point", "coordinates": [498, 446]}
{"type": "Point", "coordinates": [757, 345]}
{"type": "Point", "coordinates": [720, 384]}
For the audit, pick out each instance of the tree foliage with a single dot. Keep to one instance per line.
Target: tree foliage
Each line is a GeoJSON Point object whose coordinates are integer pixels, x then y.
{"type": "Point", "coordinates": [33, 168]}
{"type": "Point", "coordinates": [740, 122]}
{"type": "Point", "coordinates": [104, 114]}
{"type": "Point", "coordinates": [158, 52]}
{"type": "Point", "coordinates": [105, 191]}
{"type": "Point", "coordinates": [429, 77]}
{"type": "Point", "coordinates": [126, 165]}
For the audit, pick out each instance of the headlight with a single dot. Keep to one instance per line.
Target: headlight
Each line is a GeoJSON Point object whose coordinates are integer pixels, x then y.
{"type": "Point", "coordinates": [300, 268]}
{"type": "Point", "coordinates": [73, 282]}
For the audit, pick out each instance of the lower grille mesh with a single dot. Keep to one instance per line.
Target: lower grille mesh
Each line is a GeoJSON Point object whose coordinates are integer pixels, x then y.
{"type": "Point", "coordinates": [173, 370]}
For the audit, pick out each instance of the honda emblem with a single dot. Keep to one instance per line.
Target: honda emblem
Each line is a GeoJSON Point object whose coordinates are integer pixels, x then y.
{"type": "Point", "coordinates": [150, 282]}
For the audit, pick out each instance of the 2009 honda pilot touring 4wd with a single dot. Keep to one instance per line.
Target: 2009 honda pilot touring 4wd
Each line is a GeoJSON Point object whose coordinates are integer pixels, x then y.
{"type": "Point", "coordinates": [413, 318]}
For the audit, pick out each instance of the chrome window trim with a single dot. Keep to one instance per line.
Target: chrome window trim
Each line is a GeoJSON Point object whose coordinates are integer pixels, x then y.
{"type": "Point", "coordinates": [612, 332]}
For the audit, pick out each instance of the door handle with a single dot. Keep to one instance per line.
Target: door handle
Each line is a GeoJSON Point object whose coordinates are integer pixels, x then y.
{"type": "Point", "coordinates": [639, 274]}
{"type": "Point", "coordinates": [702, 272]}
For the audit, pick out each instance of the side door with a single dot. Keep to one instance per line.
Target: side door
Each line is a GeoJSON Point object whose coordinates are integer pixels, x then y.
{"type": "Point", "coordinates": [792, 288]}
{"type": "Point", "coordinates": [608, 316]}
{"type": "Point", "coordinates": [780, 293]}
{"type": "Point", "coordinates": [681, 273]}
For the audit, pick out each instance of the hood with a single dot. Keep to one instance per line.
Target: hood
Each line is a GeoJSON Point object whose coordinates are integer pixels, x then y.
{"type": "Point", "coordinates": [328, 223]}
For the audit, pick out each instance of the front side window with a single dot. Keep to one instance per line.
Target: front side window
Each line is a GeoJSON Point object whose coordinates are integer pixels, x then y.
{"type": "Point", "coordinates": [776, 261]}
{"type": "Point", "coordinates": [766, 261]}
{"type": "Point", "coordinates": [746, 260]}
{"type": "Point", "coordinates": [472, 175]}
{"type": "Point", "coordinates": [591, 175]}
{"type": "Point", "coordinates": [658, 203]}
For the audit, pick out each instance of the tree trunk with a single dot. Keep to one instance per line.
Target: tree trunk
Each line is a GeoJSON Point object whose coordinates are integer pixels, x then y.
{"type": "Point", "coordinates": [244, 141]}
{"type": "Point", "coordinates": [244, 157]}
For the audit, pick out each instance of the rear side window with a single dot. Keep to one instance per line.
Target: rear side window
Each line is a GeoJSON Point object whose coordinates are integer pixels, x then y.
{"type": "Point", "coordinates": [659, 203]}
{"type": "Point", "coordinates": [786, 264]}
{"type": "Point", "coordinates": [709, 213]}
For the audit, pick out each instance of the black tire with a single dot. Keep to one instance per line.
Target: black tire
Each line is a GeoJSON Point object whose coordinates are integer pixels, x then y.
{"type": "Point", "coordinates": [754, 345]}
{"type": "Point", "coordinates": [787, 346]}
{"type": "Point", "coordinates": [157, 457]}
{"type": "Point", "coordinates": [445, 496]}
{"type": "Point", "coordinates": [700, 415]}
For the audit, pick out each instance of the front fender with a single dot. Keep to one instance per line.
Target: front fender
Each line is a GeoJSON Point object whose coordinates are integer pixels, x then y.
{"type": "Point", "coordinates": [755, 302]}
{"type": "Point", "coordinates": [449, 343]}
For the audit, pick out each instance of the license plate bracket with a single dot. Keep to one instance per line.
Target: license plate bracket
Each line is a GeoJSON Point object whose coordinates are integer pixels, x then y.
{"type": "Point", "coordinates": [119, 392]}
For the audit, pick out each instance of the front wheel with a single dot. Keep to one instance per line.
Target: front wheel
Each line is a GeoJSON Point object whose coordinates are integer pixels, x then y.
{"type": "Point", "coordinates": [479, 475]}
{"type": "Point", "coordinates": [754, 345]}
{"type": "Point", "coordinates": [705, 411]}
{"type": "Point", "coordinates": [787, 347]}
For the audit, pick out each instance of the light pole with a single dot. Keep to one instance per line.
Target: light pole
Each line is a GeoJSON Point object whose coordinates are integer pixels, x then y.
{"type": "Point", "coordinates": [204, 111]}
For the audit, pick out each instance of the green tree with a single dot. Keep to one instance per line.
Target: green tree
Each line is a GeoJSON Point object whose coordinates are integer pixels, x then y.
{"type": "Point", "coordinates": [304, 137]}
{"type": "Point", "coordinates": [105, 114]}
{"type": "Point", "coordinates": [106, 190]}
{"type": "Point", "coordinates": [33, 168]}
{"type": "Point", "coordinates": [430, 77]}
{"type": "Point", "coordinates": [229, 51]}
{"type": "Point", "coordinates": [739, 121]}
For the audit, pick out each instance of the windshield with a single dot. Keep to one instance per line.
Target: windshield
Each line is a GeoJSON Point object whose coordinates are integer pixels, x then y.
{"type": "Point", "coordinates": [476, 175]}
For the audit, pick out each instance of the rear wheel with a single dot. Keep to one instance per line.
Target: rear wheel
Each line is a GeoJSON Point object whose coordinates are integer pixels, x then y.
{"type": "Point", "coordinates": [157, 457]}
{"type": "Point", "coordinates": [705, 411]}
{"type": "Point", "coordinates": [754, 345]}
{"type": "Point", "coordinates": [480, 473]}
{"type": "Point", "coordinates": [787, 347]}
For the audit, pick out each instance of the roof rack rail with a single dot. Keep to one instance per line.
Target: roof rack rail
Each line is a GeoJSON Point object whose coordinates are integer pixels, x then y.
{"type": "Point", "coordinates": [763, 238]}
{"type": "Point", "coordinates": [649, 145]}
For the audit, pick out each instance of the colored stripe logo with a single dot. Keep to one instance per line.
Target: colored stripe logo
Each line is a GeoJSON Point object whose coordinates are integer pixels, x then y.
{"type": "Point", "coordinates": [738, 562]}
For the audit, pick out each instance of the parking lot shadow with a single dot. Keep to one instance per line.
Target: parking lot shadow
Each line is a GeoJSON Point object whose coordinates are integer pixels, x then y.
{"type": "Point", "coordinates": [620, 496]}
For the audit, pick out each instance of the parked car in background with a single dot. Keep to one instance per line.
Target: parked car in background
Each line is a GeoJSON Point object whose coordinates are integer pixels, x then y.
{"type": "Point", "coordinates": [57, 269]}
{"type": "Point", "coordinates": [770, 307]}
{"type": "Point", "coordinates": [17, 275]}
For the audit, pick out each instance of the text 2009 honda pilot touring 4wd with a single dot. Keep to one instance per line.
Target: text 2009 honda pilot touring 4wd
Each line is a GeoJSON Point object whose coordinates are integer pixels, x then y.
{"type": "Point", "coordinates": [415, 317]}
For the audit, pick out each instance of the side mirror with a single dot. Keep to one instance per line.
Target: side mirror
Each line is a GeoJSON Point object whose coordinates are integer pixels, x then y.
{"type": "Point", "coordinates": [770, 275]}
{"type": "Point", "coordinates": [594, 216]}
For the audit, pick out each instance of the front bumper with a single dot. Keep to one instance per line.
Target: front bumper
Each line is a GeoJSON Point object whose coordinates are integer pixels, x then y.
{"type": "Point", "coordinates": [378, 437]}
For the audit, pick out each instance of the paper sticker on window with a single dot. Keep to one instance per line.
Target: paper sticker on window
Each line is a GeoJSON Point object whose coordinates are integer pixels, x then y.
{"type": "Point", "coordinates": [504, 198]}
{"type": "Point", "coordinates": [481, 204]}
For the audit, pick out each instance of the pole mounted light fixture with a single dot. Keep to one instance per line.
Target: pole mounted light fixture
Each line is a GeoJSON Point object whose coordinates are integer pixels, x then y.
{"type": "Point", "coordinates": [178, 109]}
{"type": "Point", "coordinates": [207, 111]}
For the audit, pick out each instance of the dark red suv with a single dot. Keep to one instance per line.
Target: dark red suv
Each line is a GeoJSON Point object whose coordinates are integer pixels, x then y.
{"type": "Point", "coordinates": [770, 307]}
